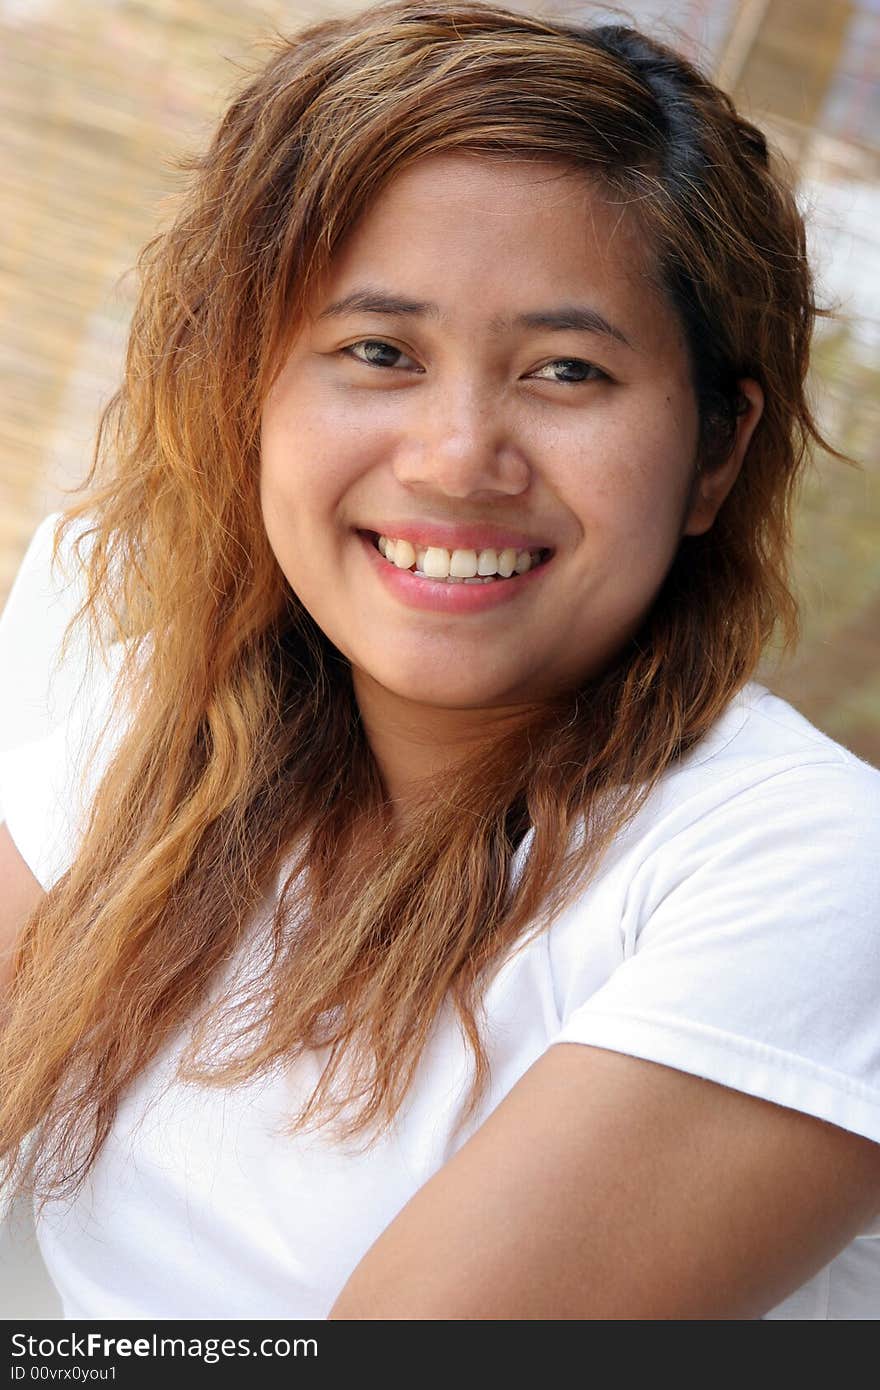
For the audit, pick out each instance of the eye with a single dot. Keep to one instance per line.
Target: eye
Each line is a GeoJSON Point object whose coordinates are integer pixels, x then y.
{"type": "Point", "coordinates": [374, 348]}
{"type": "Point", "coordinates": [373, 359]}
{"type": "Point", "coordinates": [588, 370]}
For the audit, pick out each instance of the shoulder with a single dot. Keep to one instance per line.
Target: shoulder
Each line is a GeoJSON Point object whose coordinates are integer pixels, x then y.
{"type": "Point", "coordinates": [762, 757]}
{"type": "Point", "coordinates": [38, 688]}
{"type": "Point", "coordinates": [760, 730]}
{"type": "Point", "coordinates": [744, 922]}
{"type": "Point", "coordinates": [767, 803]}
{"type": "Point", "coordinates": [53, 708]}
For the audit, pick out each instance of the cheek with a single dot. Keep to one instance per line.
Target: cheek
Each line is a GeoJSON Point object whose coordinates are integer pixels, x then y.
{"type": "Point", "coordinates": [295, 473]}
{"type": "Point", "coordinates": [284, 520]}
{"type": "Point", "coordinates": [284, 500]}
{"type": "Point", "coordinates": [313, 451]}
{"type": "Point", "coordinates": [631, 483]}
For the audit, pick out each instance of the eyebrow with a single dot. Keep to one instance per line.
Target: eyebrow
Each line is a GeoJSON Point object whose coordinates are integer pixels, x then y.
{"type": "Point", "coordinates": [578, 318]}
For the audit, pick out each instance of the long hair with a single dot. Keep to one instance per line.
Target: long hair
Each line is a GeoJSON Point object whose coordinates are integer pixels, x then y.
{"type": "Point", "coordinates": [244, 767]}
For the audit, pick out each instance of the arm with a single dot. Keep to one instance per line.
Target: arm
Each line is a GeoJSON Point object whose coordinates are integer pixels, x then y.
{"type": "Point", "coordinates": [604, 1186]}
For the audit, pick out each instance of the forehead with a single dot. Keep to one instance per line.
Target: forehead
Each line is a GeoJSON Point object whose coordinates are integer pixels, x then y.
{"type": "Point", "coordinates": [501, 189]}
{"type": "Point", "coordinates": [481, 237]}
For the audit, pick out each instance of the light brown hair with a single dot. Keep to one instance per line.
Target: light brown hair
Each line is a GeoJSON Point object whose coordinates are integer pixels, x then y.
{"type": "Point", "coordinates": [244, 757]}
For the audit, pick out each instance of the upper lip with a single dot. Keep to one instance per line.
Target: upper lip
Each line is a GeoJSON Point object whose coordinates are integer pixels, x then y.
{"type": "Point", "coordinates": [457, 537]}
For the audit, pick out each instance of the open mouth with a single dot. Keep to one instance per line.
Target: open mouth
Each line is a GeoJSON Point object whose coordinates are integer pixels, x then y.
{"type": "Point", "coordinates": [538, 557]}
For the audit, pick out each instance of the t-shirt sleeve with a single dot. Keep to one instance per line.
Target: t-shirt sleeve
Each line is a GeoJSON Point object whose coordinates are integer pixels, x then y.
{"type": "Point", "coordinates": [49, 708]}
{"type": "Point", "coordinates": [756, 958]}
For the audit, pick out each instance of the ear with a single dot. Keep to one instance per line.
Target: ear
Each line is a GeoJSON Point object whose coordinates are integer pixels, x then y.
{"type": "Point", "coordinates": [710, 488]}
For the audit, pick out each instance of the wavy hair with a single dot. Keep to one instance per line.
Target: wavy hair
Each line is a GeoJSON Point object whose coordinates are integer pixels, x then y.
{"type": "Point", "coordinates": [244, 775]}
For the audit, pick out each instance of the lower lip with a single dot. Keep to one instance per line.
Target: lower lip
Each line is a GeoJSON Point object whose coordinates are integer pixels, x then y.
{"type": "Point", "coordinates": [439, 597]}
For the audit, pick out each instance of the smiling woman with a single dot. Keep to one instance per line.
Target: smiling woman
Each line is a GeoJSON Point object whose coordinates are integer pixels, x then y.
{"type": "Point", "coordinates": [426, 798]}
{"type": "Point", "coordinates": [474, 420]}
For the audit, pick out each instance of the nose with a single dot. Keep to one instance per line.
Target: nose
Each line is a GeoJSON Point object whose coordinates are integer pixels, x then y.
{"type": "Point", "coordinates": [458, 443]}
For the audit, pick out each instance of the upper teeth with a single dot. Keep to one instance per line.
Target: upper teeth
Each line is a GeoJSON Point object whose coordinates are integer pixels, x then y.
{"type": "Point", "coordinates": [438, 563]}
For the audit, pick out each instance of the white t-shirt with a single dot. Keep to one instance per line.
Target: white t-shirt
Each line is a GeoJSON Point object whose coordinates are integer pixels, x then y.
{"type": "Point", "coordinates": [732, 933]}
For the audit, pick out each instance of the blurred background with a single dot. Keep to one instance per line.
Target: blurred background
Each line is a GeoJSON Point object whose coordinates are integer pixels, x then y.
{"type": "Point", "coordinates": [98, 96]}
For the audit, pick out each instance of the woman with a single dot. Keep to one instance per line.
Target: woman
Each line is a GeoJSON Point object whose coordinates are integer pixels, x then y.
{"type": "Point", "coordinates": [447, 924]}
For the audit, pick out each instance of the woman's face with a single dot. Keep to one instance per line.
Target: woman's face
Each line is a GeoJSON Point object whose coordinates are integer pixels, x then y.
{"type": "Point", "coordinates": [465, 425]}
